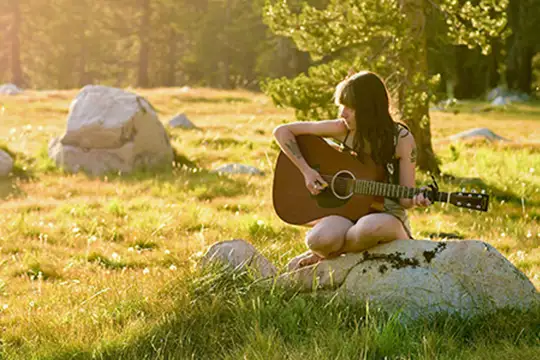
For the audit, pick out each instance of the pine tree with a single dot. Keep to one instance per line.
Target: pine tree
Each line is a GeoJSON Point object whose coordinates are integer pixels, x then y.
{"type": "Point", "coordinates": [385, 36]}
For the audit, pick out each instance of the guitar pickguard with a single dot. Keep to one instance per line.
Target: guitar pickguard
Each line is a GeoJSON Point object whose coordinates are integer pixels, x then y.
{"type": "Point", "coordinates": [327, 200]}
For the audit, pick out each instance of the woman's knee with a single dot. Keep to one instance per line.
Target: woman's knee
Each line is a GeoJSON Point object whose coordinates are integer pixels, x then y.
{"type": "Point", "coordinates": [370, 231]}
{"type": "Point", "coordinates": [329, 237]}
{"type": "Point", "coordinates": [324, 243]}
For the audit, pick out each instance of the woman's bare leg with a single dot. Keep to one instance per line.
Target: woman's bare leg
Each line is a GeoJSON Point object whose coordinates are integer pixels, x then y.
{"type": "Point", "coordinates": [326, 238]}
{"type": "Point", "coordinates": [371, 230]}
{"type": "Point", "coordinates": [335, 235]}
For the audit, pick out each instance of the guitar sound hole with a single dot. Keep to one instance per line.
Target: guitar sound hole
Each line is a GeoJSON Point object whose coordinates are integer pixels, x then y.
{"type": "Point", "coordinates": [341, 184]}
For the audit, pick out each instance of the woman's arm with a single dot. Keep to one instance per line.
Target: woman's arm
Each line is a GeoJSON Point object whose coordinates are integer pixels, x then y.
{"type": "Point", "coordinates": [406, 152]}
{"type": "Point", "coordinates": [285, 136]}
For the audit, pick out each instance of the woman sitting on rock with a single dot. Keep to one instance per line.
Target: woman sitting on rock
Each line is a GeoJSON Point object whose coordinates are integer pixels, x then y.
{"type": "Point", "coordinates": [365, 126]}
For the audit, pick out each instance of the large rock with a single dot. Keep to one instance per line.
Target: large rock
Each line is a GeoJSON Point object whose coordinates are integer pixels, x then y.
{"type": "Point", "coordinates": [238, 169]}
{"type": "Point", "coordinates": [239, 255]}
{"type": "Point", "coordinates": [9, 89]}
{"type": "Point", "coordinates": [420, 278]}
{"type": "Point", "coordinates": [6, 163]}
{"type": "Point", "coordinates": [413, 277]}
{"type": "Point", "coordinates": [482, 133]}
{"type": "Point", "coordinates": [108, 130]}
{"type": "Point", "coordinates": [181, 121]}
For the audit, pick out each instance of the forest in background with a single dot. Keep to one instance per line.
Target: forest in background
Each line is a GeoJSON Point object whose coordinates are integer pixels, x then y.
{"type": "Point", "coordinates": [225, 44]}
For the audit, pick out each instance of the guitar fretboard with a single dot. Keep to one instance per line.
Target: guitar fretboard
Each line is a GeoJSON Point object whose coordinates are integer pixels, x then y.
{"type": "Point", "coordinates": [375, 188]}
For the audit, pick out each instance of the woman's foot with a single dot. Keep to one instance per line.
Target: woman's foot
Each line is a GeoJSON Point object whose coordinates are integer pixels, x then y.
{"type": "Point", "coordinates": [305, 259]}
{"type": "Point", "coordinates": [310, 260]}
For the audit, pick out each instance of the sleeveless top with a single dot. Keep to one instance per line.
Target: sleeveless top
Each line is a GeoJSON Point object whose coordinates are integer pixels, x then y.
{"type": "Point", "coordinates": [392, 206]}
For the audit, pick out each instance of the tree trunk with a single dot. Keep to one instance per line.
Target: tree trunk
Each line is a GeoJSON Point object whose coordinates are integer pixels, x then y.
{"type": "Point", "coordinates": [525, 76]}
{"type": "Point", "coordinates": [144, 32]}
{"type": "Point", "coordinates": [172, 58]}
{"type": "Point", "coordinates": [415, 61]}
{"type": "Point", "coordinates": [226, 82]}
{"type": "Point", "coordinates": [16, 68]}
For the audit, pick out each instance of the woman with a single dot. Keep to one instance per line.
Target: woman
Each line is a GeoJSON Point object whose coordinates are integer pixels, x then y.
{"type": "Point", "coordinates": [365, 126]}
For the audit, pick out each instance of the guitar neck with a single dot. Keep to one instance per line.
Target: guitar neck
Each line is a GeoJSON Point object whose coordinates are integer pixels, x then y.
{"type": "Point", "coordinates": [375, 188]}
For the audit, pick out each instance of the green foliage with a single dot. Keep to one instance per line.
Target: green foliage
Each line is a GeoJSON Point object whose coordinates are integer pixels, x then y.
{"type": "Point", "coordinates": [310, 95]}
{"type": "Point", "coordinates": [476, 24]}
{"type": "Point", "coordinates": [370, 35]}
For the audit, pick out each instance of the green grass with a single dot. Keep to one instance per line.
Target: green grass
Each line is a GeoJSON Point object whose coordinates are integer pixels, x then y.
{"type": "Point", "coordinates": [107, 267]}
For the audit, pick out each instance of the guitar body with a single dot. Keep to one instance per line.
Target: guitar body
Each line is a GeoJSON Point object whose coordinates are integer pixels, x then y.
{"type": "Point", "coordinates": [293, 202]}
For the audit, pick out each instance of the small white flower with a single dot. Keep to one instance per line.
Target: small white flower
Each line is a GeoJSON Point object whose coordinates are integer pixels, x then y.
{"type": "Point", "coordinates": [5, 306]}
{"type": "Point", "coordinates": [167, 252]}
{"type": "Point", "coordinates": [92, 238]}
{"type": "Point", "coordinates": [172, 267]}
{"type": "Point", "coordinates": [146, 271]}
{"type": "Point", "coordinates": [531, 170]}
{"type": "Point", "coordinates": [115, 256]}
{"type": "Point", "coordinates": [131, 249]}
{"type": "Point", "coordinates": [503, 234]}
{"type": "Point", "coordinates": [260, 222]}
{"type": "Point", "coordinates": [76, 230]}
{"type": "Point", "coordinates": [529, 234]}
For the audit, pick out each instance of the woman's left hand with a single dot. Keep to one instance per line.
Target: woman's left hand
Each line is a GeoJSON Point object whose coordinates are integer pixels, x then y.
{"type": "Point", "coordinates": [421, 199]}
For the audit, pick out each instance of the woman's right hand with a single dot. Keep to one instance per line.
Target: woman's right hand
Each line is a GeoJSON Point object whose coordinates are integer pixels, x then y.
{"type": "Point", "coordinates": [314, 181]}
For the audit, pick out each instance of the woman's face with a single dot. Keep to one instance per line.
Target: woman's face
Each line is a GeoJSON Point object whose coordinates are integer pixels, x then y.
{"type": "Point", "coordinates": [348, 115]}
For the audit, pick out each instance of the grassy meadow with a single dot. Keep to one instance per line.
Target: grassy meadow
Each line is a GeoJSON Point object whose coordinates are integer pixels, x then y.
{"type": "Point", "coordinates": [106, 267]}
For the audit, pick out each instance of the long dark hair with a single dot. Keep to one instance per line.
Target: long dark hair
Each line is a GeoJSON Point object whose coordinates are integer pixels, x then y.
{"type": "Point", "coordinates": [366, 93]}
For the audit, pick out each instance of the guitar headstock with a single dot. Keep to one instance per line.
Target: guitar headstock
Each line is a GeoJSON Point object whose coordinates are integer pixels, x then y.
{"type": "Point", "coordinates": [470, 200]}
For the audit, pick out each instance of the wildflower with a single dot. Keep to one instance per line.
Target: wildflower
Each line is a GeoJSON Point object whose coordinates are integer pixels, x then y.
{"type": "Point", "coordinates": [260, 222]}
{"type": "Point", "coordinates": [146, 271]}
{"type": "Point", "coordinates": [115, 256]}
{"type": "Point", "coordinates": [172, 268]}
{"type": "Point", "coordinates": [130, 249]}
{"type": "Point", "coordinates": [167, 252]}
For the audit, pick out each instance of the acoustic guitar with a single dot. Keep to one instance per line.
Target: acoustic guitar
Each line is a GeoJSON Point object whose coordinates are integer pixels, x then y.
{"type": "Point", "coordinates": [355, 188]}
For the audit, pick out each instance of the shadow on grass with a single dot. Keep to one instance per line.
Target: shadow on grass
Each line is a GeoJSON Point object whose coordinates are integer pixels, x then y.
{"type": "Point", "coordinates": [477, 184]}
{"type": "Point", "coordinates": [211, 100]}
{"type": "Point", "coordinates": [204, 184]}
{"type": "Point", "coordinates": [8, 188]}
{"type": "Point", "coordinates": [530, 109]}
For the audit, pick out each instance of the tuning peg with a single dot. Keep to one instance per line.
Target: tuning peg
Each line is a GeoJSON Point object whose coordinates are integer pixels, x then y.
{"type": "Point", "coordinates": [483, 191]}
{"type": "Point", "coordinates": [468, 204]}
{"type": "Point", "coordinates": [473, 191]}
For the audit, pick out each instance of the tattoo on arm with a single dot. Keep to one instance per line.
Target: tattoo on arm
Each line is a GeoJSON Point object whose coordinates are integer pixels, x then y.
{"type": "Point", "coordinates": [413, 155]}
{"type": "Point", "coordinates": [293, 147]}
